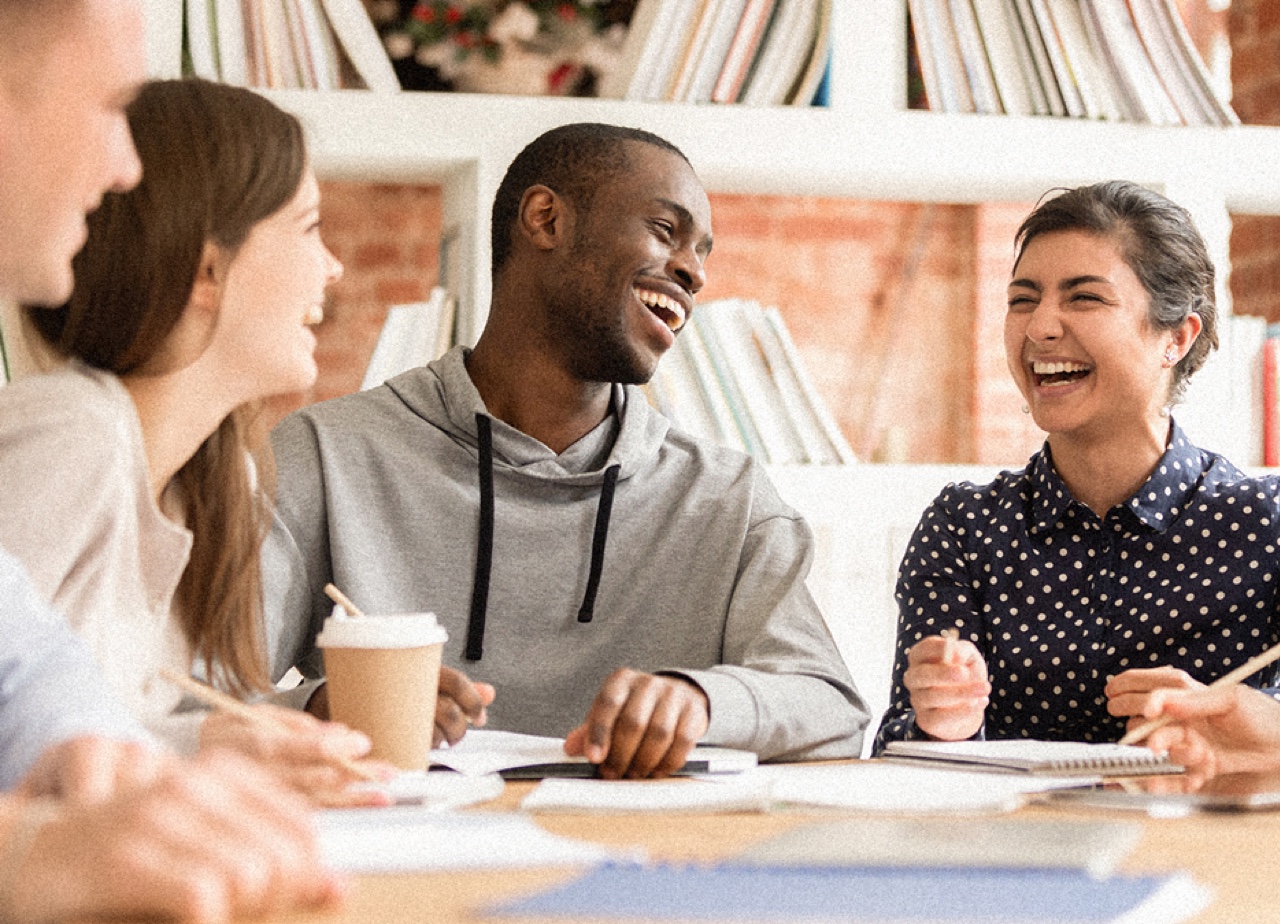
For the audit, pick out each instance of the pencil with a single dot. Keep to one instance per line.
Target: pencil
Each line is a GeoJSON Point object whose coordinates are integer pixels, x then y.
{"type": "Point", "coordinates": [342, 600]}
{"type": "Point", "coordinates": [949, 647]}
{"type": "Point", "coordinates": [1252, 666]}
{"type": "Point", "coordinates": [219, 700]}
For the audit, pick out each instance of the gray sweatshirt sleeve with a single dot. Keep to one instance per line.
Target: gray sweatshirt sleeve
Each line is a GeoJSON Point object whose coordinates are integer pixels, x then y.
{"type": "Point", "coordinates": [782, 690]}
{"type": "Point", "coordinates": [295, 557]}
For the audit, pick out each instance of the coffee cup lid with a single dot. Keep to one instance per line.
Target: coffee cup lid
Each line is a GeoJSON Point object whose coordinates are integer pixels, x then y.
{"type": "Point", "coordinates": [397, 630]}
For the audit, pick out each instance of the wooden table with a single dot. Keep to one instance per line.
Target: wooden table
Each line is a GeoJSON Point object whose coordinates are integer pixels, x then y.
{"type": "Point", "coordinates": [1234, 854]}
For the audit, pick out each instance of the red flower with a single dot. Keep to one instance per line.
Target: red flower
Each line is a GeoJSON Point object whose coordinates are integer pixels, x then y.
{"type": "Point", "coordinates": [424, 13]}
{"type": "Point", "coordinates": [559, 77]}
{"type": "Point", "coordinates": [465, 40]}
{"type": "Point", "coordinates": [452, 15]}
{"type": "Point", "coordinates": [567, 11]}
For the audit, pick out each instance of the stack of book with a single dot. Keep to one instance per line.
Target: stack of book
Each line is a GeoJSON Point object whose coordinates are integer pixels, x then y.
{"type": "Point", "coordinates": [734, 376]}
{"type": "Point", "coordinates": [284, 44]}
{"type": "Point", "coordinates": [1120, 60]}
{"type": "Point", "coordinates": [759, 52]}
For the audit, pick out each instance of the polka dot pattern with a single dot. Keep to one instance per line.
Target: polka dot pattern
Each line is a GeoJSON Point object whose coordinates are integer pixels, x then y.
{"type": "Point", "coordinates": [1059, 600]}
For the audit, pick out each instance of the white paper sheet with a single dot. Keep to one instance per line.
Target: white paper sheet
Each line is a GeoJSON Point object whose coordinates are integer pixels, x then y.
{"type": "Point", "coordinates": [872, 786]}
{"type": "Point", "coordinates": [587, 796]}
{"type": "Point", "coordinates": [888, 787]}
{"type": "Point", "coordinates": [404, 838]}
{"type": "Point", "coordinates": [484, 751]}
{"type": "Point", "coordinates": [441, 790]}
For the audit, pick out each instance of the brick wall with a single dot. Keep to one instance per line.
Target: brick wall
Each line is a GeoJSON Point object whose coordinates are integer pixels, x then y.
{"type": "Point", "coordinates": [866, 289]}
{"type": "Point", "coordinates": [869, 291]}
{"type": "Point", "coordinates": [1254, 27]}
{"type": "Point", "coordinates": [387, 238]}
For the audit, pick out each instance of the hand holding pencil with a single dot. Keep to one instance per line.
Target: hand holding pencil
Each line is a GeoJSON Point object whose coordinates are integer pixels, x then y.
{"type": "Point", "coordinates": [320, 760]}
{"type": "Point", "coordinates": [1221, 728]}
{"type": "Point", "coordinates": [947, 679]}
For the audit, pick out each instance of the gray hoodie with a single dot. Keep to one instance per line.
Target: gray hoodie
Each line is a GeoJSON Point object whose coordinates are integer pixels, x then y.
{"type": "Point", "coordinates": [638, 547]}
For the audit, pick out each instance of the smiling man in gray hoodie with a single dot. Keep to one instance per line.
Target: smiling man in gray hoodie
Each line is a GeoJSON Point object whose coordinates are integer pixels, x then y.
{"type": "Point", "coordinates": [616, 581]}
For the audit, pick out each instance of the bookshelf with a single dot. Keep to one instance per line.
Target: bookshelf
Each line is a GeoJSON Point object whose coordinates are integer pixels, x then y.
{"type": "Point", "coordinates": [865, 144]}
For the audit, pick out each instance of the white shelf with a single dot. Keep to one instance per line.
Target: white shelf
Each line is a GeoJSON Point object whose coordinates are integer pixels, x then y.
{"type": "Point", "coordinates": [911, 155]}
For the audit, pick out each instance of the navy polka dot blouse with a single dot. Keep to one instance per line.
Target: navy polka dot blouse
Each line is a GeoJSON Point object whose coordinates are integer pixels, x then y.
{"type": "Point", "coordinates": [1058, 600]}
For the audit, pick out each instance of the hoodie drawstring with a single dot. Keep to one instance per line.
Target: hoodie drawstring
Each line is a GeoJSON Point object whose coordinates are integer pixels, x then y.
{"type": "Point", "coordinates": [484, 543]}
{"type": "Point", "coordinates": [587, 610]}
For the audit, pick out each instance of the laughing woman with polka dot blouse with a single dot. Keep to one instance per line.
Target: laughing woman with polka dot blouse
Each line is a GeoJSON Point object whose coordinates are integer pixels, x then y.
{"type": "Point", "coordinates": [1122, 558]}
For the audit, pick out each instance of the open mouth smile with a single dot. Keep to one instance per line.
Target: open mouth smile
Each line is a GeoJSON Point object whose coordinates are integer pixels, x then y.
{"type": "Point", "coordinates": [669, 311]}
{"type": "Point", "coordinates": [1050, 375]}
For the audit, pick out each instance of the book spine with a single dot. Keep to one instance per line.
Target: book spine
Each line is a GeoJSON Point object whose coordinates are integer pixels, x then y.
{"type": "Point", "coordinates": [973, 57]}
{"type": "Point", "coordinates": [722, 384]}
{"type": "Point", "coordinates": [742, 51]}
{"type": "Point", "coordinates": [1270, 402]}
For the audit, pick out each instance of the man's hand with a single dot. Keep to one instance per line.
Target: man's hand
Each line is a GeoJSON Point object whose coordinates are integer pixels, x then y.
{"type": "Point", "coordinates": [208, 841]}
{"type": "Point", "coordinates": [460, 704]}
{"type": "Point", "coordinates": [641, 725]}
{"type": "Point", "coordinates": [949, 699]}
{"type": "Point", "coordinates": [90, 770]}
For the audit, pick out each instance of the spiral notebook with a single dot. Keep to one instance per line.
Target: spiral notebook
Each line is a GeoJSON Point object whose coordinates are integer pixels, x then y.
{"type": "Point", "coordinates": [1046, 758]}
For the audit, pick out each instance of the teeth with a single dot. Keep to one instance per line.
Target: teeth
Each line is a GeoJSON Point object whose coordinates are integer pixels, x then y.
{"type": "Point", "coordinates": [1057, 368]}
{"type": "Point", "coordinates": [674, 312]}
{"type": "Point", "coordinates": [677, 319]}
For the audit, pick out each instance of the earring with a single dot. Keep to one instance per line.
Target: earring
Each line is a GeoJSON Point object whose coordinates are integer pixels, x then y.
{"type": "Point", "coordinates": [1025, 409]}
{"type": "Point", "coordinates": [1164, 411]}
{"type": "Point", "coordinates": [1170, 357]}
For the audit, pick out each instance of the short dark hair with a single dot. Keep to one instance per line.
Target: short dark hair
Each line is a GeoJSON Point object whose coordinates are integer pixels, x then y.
{"type": "Point", "coordinates": [573, 160]}
{"type": "Point", "coordinates": [1158, 241]}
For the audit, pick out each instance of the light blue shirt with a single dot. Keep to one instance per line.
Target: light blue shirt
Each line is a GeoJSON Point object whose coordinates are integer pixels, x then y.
{"type": "Point", "coordinates": [51, 688]}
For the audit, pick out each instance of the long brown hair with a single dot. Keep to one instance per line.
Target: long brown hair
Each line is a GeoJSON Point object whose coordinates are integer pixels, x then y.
{"type": "Point", "coordinates": [216, 161]}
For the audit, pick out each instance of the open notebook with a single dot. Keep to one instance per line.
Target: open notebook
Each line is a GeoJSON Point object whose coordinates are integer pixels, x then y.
{"type": "Point", "coordinates": [533, 757]}
{"type": "Point", "coordinates": [1021, 755]}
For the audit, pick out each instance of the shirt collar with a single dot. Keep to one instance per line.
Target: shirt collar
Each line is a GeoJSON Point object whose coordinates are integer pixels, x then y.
{"type": "Point", "coordinates": [1156, 504]}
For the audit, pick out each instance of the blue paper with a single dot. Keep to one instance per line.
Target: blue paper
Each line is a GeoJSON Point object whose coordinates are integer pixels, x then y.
{"type": "Point", "coordinates": [741, 893]}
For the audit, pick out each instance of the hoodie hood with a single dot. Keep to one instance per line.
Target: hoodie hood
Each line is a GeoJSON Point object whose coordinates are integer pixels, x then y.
{"type": "Point", "coordinates": [442, 394]}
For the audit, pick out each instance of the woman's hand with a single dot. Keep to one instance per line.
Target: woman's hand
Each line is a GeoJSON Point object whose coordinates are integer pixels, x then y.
{"type": "Point", "coordinates": [310, 756]}
{"type": "Point", "coordinates": [949, 695]}
{"type": "Point", "coordinates": [1226, 729]}
{"type": "Point", "coordinates": [90, 769]}
{"type": "Point", "coordinates": [1129, 693]}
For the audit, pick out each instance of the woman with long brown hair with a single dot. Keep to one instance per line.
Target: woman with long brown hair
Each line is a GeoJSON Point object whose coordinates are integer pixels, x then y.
{"type": "Point", "coordinates": [133, 490]}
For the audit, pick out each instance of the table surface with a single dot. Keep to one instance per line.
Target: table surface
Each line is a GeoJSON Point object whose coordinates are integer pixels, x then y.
{"type": "Point", "coordinates": [1232, 853]}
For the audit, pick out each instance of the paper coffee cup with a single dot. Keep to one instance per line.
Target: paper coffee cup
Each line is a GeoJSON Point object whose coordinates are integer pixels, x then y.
{"type": "Point", "coordinates": [382, 673]}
